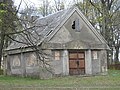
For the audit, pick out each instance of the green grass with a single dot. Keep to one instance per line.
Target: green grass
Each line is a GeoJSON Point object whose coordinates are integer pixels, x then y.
{"type": "Point", "coordinates": [112, 80]}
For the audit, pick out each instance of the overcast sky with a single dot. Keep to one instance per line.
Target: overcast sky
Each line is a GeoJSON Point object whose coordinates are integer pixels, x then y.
{"type": "Point", "coordinates": [36, 3]}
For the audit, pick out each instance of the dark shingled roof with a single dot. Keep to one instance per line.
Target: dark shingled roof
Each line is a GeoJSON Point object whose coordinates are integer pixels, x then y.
{"type": "Point", "coordinates": [44, 27]}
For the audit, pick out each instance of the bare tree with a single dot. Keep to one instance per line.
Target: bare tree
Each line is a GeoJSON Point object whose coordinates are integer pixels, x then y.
{"type": "Point", "coordinates": [107, 9]}
{"type": "Point", "coordinates": [59, 5]}
{"type": "Point", "coordinates": [21, 30]}
{"type": "Point", "coordinates": [45, 8]}
{"type": "Point", "coordinates": [104, 15]}
{"type": "Point", "coordinates": [29, 36]}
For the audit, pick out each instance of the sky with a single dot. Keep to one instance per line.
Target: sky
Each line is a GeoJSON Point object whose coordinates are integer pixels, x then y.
{"type": "Point", "coordinates": [36, 3]}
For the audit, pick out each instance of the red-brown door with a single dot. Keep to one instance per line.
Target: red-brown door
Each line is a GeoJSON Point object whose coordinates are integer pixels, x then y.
{"type": "Point", "coordinates": [76, 63]}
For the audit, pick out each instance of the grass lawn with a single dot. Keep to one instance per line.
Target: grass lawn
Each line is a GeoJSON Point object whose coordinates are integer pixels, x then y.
{"type": "Point", "coordinates": [108, 82]}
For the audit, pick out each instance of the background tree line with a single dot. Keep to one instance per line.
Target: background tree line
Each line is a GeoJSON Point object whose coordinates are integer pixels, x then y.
{"type": "Point", "coordinates": [104, 15]}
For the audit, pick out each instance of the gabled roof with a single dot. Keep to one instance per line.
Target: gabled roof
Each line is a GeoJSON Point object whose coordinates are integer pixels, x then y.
{"type": "Point", "coordinates": [48, 26]}
{"type": "Point", "coordinates": [44, 27]}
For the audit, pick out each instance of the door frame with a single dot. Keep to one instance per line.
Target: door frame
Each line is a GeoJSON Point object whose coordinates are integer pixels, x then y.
{"type": "Point", "coordinates": [76, 51]}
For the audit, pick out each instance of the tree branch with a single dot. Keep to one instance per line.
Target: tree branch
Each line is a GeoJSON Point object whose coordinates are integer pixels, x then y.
{"type": "Point", "coordinates": [95, 6]}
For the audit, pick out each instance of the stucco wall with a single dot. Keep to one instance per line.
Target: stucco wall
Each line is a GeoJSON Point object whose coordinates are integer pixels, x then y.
{"type": "Point", "coordinates": [68, 38]}
{"type": "Point", "coordinates": [61, 67]}
{"type": "Point", "coordinates": [85, 33]}
{"type": "Point", "coordinates": [14, 66]}
{"type": "Point", "coordinates": [103, 59]}
{"type": "Point", "coordinates": [30, 64]}
{"type": "Point", "coordinates": [96, 63]}
{"type": "Point", "coordinates": [25, 64]}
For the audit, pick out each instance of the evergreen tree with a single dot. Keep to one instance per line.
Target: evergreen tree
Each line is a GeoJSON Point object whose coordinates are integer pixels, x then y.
{"type": "Point", "coordinates": [7, 24]}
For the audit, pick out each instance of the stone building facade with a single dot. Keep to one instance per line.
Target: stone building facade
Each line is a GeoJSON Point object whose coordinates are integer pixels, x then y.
{"type": "Point", "coordinates": [74, 46]}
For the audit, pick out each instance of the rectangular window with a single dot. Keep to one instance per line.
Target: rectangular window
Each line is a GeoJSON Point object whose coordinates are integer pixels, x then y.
{"type": "Point", "coordinates": [94, 54]}
{"type": "Point", "coordinates": [57, 55]}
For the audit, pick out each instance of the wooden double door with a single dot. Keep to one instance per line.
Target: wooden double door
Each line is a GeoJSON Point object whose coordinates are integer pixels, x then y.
{"type": "Point", "coordinates": [76, 63]}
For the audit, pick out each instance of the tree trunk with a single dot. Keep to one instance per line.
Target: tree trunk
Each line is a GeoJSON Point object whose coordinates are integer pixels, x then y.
{"type": "Point", "coordinates": [1, 45]}
{"type": "Point", "coordinates": [117, 54]}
